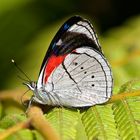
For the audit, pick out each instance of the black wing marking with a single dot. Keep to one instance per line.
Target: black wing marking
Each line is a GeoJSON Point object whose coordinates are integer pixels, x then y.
{"type": "Point", "coordinates": [70, 40]}
{"type": "Point", "coordinates": [58, 35]}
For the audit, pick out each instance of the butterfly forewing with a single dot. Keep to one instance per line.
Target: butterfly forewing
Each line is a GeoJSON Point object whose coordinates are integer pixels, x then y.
{"type": "Point", "coordinates": [75, 24]}
{"type": "Point", "coordinates": [85, 27]}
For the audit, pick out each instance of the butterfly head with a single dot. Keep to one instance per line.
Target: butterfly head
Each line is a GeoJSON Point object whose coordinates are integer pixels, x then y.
{"type": "Point", "coordinates": [31, 85]}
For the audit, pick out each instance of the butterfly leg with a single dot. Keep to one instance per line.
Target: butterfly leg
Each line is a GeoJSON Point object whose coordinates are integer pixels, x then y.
{"type": "Point", "coordinates": [29, 104]}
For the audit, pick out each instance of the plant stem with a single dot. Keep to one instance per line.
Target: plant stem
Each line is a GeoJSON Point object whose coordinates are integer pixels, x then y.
{"type": "Point", "coordinates": [39, 122]}
{"type": "Point", "coordinates": [124, 95]}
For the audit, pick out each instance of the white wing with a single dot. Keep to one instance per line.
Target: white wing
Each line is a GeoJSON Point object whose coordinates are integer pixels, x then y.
{"type": "Point", "coordinates": [84, 27]}
{"type": "Point", "coordinates": [83, 79]}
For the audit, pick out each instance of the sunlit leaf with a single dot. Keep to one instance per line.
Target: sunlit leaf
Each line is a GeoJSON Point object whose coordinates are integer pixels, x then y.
{"type": "Point", "coordinates": [99, 123]}
{"type": "Point", "coordinates": [126, 113]}
{"type": "Point", "coordinates": [64, 121]}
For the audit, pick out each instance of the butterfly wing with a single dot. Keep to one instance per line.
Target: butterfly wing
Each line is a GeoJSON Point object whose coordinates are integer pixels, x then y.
{"type": "Point", "coordinates": [67, 38]}
{"type": "Point", "coordinates": [74, 69]}
{"type": "Point", "coordinates": [83, 79]}
{"type": "Point", "coordinates": [75, 24]}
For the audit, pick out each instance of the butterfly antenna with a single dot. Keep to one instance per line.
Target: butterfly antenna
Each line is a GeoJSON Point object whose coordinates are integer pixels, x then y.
{"type": "Point", "coordinates": [13, 61]}
{"type": "Point", "coordinates": [22, 78]}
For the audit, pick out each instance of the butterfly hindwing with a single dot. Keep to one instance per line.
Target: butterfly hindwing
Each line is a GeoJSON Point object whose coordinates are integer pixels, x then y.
{"type": "Point", "coordinates": [83, 79]}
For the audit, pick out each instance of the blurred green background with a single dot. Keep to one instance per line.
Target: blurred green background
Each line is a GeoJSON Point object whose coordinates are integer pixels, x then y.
{"type": "Point", "coordinates": [28, 26]}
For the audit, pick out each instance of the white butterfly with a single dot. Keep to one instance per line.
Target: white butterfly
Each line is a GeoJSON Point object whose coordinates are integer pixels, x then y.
{"type": "Point", "coordinates": [74, 72]}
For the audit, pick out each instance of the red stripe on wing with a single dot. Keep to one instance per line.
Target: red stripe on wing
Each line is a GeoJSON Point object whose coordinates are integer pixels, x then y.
{"type": "Point", "coordinates": [53, 62]}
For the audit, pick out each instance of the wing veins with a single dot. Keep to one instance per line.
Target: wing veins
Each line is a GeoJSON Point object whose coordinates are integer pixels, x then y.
{"type": "Point", "coordinates": [68, 67]}
{"type": "Point", "coordinates": [70, 76]}
{"type": "Point", "coordinates": [83, 70]}
{"type": "Point", "coordinates": [79, 65]}
{"type": "Point", "coordinates": [101, 67]}
{"type": "Point", "coordinates": [94, 36]}
{"type": "Point", "coordinates": [87, 29]}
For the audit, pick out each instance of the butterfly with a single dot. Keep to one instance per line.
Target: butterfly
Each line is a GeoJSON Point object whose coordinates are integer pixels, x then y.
{"type": "Point", "coordinates": [74, 72]}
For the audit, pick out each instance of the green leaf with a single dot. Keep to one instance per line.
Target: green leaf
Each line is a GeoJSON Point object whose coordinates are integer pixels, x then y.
{"type": "Point", "coordinates": [10, 120]}
{"type": "Point", "coordinates": [80, 130]}
{"type": "Point", "coordinates": [130, 86]}
{"type": "Point", "coordinates": [64, 121]}
{"type": "Point", "coordinates": [37, 135]}
{"type": "Point", "coordinates": [10, 107]}
{"type": "Point", "coordinates": [99, 123]}
{"type": "Point", "coordinates": [127, 116]}
{"type": "Point", "coordinates": [126, 113]}
{"type": "Point", "coordinates": [24, 134]}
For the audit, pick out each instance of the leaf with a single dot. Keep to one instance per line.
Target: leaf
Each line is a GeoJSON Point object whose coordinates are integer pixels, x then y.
{"type": "Point", "coordinates": [37, 135]}
{"type": "Point", "coordinates": [130, 86]}
{"type": "Point", "coordinates": [126, 113]}
{"type": "Point", "coordinates": [10, 120]}
{"type": "Point", "coordinates": [64, 121]}
{"type": "Point", "coordinates": [80, 130]}
{"type": "Point", "coordinates": [10, 107]}
{"type": "Point", "coordinates": [99, 123]}
{"type": "Point", "coordinates": [24, 134]}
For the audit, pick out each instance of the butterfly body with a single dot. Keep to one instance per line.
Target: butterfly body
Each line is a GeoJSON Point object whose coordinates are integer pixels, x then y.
{"type": "Point", "coordinates": [74, 72]}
